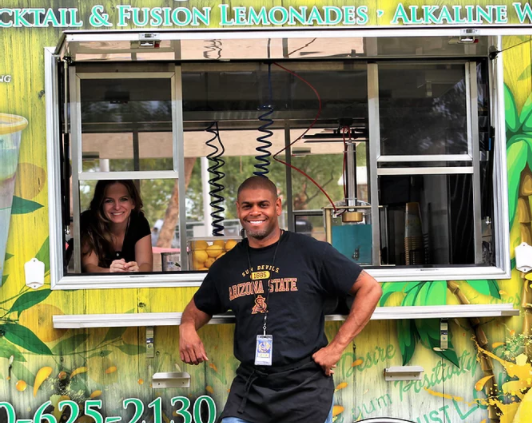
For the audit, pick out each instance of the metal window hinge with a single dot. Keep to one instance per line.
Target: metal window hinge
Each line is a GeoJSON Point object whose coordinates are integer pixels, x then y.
{"type": "Point", "coordinates": [150, 346]}
{"type": "Point", "coordinates": [147, 40]}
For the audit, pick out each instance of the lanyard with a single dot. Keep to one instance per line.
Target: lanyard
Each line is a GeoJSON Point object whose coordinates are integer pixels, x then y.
{"type": "Point", "coordinates": [268, 286]}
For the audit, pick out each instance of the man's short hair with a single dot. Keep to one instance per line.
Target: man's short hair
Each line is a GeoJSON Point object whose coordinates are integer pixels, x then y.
{"type": "Point", "coordinates": [257, 182]}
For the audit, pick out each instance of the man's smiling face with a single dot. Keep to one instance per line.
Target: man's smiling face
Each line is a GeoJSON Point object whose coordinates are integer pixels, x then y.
{"type": "Point", "coordinates": [258, 210]}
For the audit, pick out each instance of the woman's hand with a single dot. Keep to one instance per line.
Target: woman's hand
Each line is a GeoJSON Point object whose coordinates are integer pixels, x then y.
{"type": "Point", "coordinates": [118, 266]}
{"type": "Point", "coordinates": [132, 266]}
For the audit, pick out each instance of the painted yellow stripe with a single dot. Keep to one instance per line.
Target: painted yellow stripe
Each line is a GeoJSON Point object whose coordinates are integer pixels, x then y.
{"type": "Point", "coordinates": [11, 123]}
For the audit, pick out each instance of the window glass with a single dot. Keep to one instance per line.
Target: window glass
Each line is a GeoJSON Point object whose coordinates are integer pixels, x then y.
{"type": "Point", "coordinates": [427, 220]}
{"type": "Point", "coordinates": [342, 88]}
{"type": "Point", "coordinates": [486, 165]}
{"type": "Point", "coordinates": [159, 199]}
{"type": "Point", "coordinates": [423, 109]}
{"type": "Point", "coordinates": [126, 124]}
{"type": "Point", "coordinates": [233, 97]}
{"type": "Point", "coordinates": [236, 164]}
{"type": "Point", "coordinates": [427, 217]}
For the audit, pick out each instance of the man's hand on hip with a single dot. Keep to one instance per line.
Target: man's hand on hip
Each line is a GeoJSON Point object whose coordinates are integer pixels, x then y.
{"type": "Point", "coordinates": [191, 348]}
{"type": "Point", "coordinates": [327, 358]}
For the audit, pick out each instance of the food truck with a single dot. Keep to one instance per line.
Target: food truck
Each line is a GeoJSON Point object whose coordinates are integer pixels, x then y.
{"type": "Point", "coordinates": [401, 133]}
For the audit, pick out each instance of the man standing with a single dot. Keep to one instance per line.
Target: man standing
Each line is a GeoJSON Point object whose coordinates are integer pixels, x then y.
{"type": "Point", "coordinates": [276, 283]}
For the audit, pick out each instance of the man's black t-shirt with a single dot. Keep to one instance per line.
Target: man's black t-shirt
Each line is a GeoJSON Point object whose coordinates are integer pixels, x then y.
{"type": "Point", "coordinates": [304, 274]}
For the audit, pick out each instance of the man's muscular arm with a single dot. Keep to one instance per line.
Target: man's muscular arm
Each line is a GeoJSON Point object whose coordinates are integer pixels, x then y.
{"type": "Point", "coordinates": [367, 293]}
{"type": "Point", "coordinates": [191, 348]}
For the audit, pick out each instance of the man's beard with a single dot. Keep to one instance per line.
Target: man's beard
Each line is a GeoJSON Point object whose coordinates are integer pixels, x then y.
{"type": "Point", "coordinates": [260, 235]}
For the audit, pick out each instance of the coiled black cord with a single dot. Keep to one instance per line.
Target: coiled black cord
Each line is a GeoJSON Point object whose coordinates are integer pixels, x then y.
{"type": "Point", "coordinates": [216, 188]}
{"type": "Point", "coordinates": [263, 158]}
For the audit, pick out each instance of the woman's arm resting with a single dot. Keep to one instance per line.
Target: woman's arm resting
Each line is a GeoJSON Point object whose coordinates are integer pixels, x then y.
{"type": "Point", "coordinates": [144, 255]}
{"type": "Point", "coordinates": [89, 263]}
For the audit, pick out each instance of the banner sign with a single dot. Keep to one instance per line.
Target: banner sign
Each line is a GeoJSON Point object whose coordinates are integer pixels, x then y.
{"type": "Point", "coordinates": [241, 16]}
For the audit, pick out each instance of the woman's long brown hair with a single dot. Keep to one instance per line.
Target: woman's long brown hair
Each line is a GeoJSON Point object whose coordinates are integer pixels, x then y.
{"type": "Point", "coordinates": [96, 228]}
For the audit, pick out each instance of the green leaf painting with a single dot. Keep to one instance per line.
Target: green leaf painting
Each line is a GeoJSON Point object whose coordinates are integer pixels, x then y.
{"type": "Point", "coordinates": [516, 158]}
{"type": "Point", "coordinates": [525, 118]}
{"type": "Point", "coordinates": [29, 299]}
{"type": "Point", "coordinates": [429, 333]}
{"type": "Point", "coordinates": [432, 293]}
{"type": "Point", "coordinates": [510, 110]}
{"type": "Point", "coordinates": [8, 256]}
{"type": "Point", "coordinates": [69, 345]}
{"type": "Point", "coordinates": [113, 333]}
{"type": "Point", "coordinates": [407, 337]}
{"type": "Point", "coordinates": [411, 295]}
{"type": "Point", "coordinates": [44, 254]}
{"type": "Point", "coordinates": [486, 287]}
{"type": "Point", "coordinates": [4, 278]}
{"type": "Point", "coordinates": [22, 206]}
{"type": "Point", "coordinates": [25, 338]}
{"type": "Point", "coordinates": [103, 353]}
{"type": "Point", "coordinates": [413, 286]}
{"type": "Point", "coordinates": [21, 372]}
{"type": "Point", "coordinates": [526, 74]}
{"type": "Point", "coordinates": [450, 355]}
{"type": "Point", "coordinates": [518, 145]}
{"type": "Point", "coordinates": [407, 333]}
{"type": "Point", "coordinates": [7, 350]}
{"type": "Point", "coordinates": [131, 349]}
{"type": "Point", "coordinates": [388, 288]}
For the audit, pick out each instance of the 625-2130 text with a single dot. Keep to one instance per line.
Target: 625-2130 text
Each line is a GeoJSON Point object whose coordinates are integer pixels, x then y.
{"type": "Point", "coordinates": [92, 409]}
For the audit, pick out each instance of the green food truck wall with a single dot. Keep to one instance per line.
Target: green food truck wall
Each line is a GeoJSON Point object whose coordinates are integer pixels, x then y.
{"type": "Point", "coordinates": [486, 368]}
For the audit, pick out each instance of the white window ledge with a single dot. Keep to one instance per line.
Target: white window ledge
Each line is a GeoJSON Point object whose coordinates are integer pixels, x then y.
{"type": "Point", "coordinates": [79, 321]}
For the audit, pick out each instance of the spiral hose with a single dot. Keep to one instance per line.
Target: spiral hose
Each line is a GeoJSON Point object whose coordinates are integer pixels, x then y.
{"type": "Point", "coordinates": [263, 158]}
{"type": "Point", "coordinates": [216, 188]}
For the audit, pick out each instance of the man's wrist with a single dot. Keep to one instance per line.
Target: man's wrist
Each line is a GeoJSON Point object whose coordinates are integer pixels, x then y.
{"type": "Point", "coordinates": [187, 325]}
{"type": "Point", "coordinates": [339, 344]}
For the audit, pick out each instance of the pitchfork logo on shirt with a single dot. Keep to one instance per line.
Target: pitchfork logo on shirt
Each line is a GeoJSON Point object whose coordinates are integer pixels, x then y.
{"type": "Point", "coordinates": [260, 305]}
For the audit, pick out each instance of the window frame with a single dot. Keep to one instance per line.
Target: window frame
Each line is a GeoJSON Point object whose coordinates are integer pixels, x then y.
{"type": "Point", "coordinates": [472, 156]}
{"type": "Point", "coordinates": [501, 270]}
{"type": "Point", "coordinates": [78, 175]}
{"type": "Point", "coordinates": [59, 280]}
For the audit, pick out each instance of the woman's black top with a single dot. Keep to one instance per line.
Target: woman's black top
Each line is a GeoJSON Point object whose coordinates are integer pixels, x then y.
{"type": "Point", "coordinates": [137, 229]}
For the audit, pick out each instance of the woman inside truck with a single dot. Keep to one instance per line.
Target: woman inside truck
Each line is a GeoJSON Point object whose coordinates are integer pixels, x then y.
{"type": "Point", "coordinates": [115, 235]}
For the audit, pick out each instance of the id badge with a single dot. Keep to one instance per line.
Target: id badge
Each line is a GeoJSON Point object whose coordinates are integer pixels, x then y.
{"type": "Point", "coordinates": [264, 350]}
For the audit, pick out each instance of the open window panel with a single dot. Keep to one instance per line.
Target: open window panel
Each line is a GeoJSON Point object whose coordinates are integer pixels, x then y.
{"type": "Point", "coordinates": [410, 150]}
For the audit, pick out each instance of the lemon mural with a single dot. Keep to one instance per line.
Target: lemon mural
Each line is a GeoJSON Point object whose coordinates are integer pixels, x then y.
{"type": "Point", "coordinates": [488, 359]}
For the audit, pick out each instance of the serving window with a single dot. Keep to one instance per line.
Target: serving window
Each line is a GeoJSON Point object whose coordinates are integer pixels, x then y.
{"type": "Point", "coordinates": [122, 129]}
{"type": "Point", "coordinates": [434, 125]}
{"type": "Point", "coordinates": [405, 149]}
